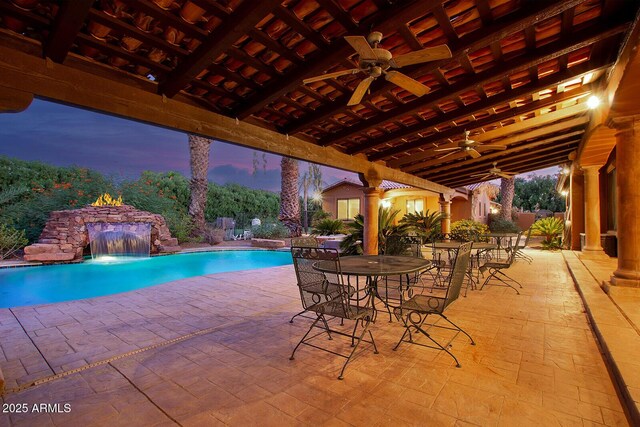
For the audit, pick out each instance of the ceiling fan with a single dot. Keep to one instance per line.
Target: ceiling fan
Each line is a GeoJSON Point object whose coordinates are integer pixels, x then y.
{"type": "Point", "coordinates": [375, 61]}
{"type": "Point", "coordinates": [494, 171]}
{"type": "Point", "coordinates": [470, 147]}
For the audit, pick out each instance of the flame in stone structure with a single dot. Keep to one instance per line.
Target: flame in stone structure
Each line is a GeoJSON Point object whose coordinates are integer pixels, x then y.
{"type": "Point", "coordinates": [106, 200]}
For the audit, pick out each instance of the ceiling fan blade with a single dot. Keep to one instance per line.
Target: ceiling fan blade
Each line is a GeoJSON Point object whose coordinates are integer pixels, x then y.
{"type": "Point", "coordinates": [483, 175]}
{"type": "Point", "coordinates": [419, 56]}
{"type": "Point", "coordinates": [492, 147]}
{"type": "Point", "coordinates": [331, 75]}
{"type": "Point", "coordinates": [446, 155]}
{"type": "Point", "coordinates": [447, 149]}
{"type": "Point", "coordinates": [406, 83]}
{"type": "Point", "coordinates": [360, 91]}
{"type": "Point", "coordinates": [361, 45]}
{"type": "Point", "coordinates": [504, 175]}
{"type": "Point", "coordinates": [473, 153]}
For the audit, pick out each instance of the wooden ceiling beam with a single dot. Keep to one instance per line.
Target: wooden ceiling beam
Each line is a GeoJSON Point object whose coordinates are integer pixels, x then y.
{"type": "Point", "coordinates": [514, 154]}
{"type": "Point", "coordinates": [496, 118]}
{"type": "Point", "coordinates": [241, 21]}
{"type": "Point", "coordinates": [544, 54]}
{"type": "Point", "coordinates": [547, 132]}
{"type": "Point", "coordinates": [523, 167]}
{"type": "Point", "coordinates": [384, 20]}
{"type": "Point", "coordinates": [517, 21]}
{"type": "Point", "coordinates": [273, 45]}
{"type": "Point", "coordinates": [149, 8]}
{"type": "Point", "coordinates": [66, 25]}
{"type": "Point", "coordinates": [484, 9]}
{"type": "Point", "coordinates": [339, 14]}
{"type": "Point", "coordinates": [68, 85]}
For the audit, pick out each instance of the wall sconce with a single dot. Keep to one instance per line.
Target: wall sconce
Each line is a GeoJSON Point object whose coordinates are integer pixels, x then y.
{"type": "Point", "coordinates": [593, 102]}
{"type": "Point", "coordinates": [386, 203]}
{"type": "Point", "coordinates": [565, 193]}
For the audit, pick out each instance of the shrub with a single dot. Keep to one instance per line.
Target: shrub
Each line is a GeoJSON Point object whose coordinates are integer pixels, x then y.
{"type": "Point", "coordinates": [425, 224]}
{"type": "Point", "coordinates": [551, 228]}
{"type": "Point", "coordinates": [11, 240]}
{"type": "Point", "coordinates": [498, 225]}
{"type": "Point", "coordinates": [328, 226]}
{"type": "Point", "coordinates": [271, 231]}
{"type": "Point", "coordinates": [352, 244]}
{"type": "Point", "coordinates": [468, 230]}
{"type": "Point", "coordinates": [318, 216]}
{"type": "Point", "coordinates": [181, 225]}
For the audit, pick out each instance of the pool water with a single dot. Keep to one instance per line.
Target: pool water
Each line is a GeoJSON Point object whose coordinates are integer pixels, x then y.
{"type": "Point", "coordinates": [55, 283]}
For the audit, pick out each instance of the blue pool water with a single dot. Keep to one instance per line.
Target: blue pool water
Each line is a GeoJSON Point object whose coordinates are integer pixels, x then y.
{"type": "Point", "coordinates": [55, 283]}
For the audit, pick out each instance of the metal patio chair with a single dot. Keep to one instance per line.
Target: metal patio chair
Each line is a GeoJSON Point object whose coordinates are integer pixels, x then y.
{"type": "Point", "coordinates": [419, 302]}
{"type": "Point", "coordinates": [520, 248]}
{"type": "Point", "coordinates": [329, 297]}
{"type": "Point", "coordinates": [496, 268]}
{"type": "Point", "coordinates": [303, 242]}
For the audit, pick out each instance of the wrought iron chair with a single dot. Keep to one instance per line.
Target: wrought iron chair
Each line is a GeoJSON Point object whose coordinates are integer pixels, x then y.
{"type": "Point", "coordinates": [520, 248]}
{"type": "Point", "coordinates": [417, 305]}
{"type": "Point", "coordinates": [303, 242]}
{"type": "Point", "coordinates": [495, 268]}
{"type": "Point", "coordinates": [329, 297]}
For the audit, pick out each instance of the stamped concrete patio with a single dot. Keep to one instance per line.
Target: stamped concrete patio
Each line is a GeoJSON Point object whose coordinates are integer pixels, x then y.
{"type": "Point", "coordinates": [214, 350]}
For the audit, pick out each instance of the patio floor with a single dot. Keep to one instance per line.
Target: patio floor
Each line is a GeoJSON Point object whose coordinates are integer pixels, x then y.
{"type": "Point", "coordinates": [214, 350]}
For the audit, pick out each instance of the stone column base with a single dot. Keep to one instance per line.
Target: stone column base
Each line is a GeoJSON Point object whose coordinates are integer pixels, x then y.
{"type": "Point", "coordinates": [626, 278]}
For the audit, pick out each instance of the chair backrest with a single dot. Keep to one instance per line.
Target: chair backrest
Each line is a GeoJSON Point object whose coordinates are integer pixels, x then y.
{"type": "Point", "coordinates": [304, 242]}
{"type": "Point", "coordinates": [313, 284]}
{"type": "Point", "coordinates": [513, 249]}
{"type": "Point", "coordinates": [526, 240]}
{"type": "Point", "coordinates": [458, 273]}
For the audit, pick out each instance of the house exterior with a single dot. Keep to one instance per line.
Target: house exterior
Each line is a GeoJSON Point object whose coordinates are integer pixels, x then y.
{"type": "Point", "coordinates": [345, 199]}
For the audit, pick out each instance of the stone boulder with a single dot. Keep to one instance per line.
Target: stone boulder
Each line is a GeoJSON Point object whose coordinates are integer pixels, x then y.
{"type": "Point", "coordinates": [267, 243]}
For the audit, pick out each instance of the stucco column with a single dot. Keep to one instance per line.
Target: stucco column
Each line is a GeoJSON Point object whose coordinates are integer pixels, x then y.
{"type": "Point", "coordinates": [628, 199]}
{"type": "Point", "coordinates": [591, 209]}
{"type": "Point", "coordinates": [576, 197]}
{"type": "Point", "coordinates": [370, 233]}
{"type": "Point", "coordinates": [445, 209]}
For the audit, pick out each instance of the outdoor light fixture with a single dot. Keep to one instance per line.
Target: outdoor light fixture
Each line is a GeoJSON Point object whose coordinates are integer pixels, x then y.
{"type": "Point", "coordinates": [317, 196]}
{"type": "Point", "coordinates": [593, 102]}
{"type": "Point", "coordinates": [565, 193]}
{"type": "Point", "coordinates": [385, 203]}
{"type": "Point", "coordinates": [565, 170]}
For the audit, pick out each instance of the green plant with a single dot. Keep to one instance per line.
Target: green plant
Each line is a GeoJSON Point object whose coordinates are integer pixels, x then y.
{"type": "Point", "coordinates": [11, 240]}
{"type": "Point", "coordinates": [468, 230]}
{"type": "Point", "coordinates": [425, 224]}
{"type": "Point", "coordinates": [328, 226]}
{"type": "Point", "coordinates": [270, 231]}
{"type": "Point", "coordinates": [318, 216]}
{"type": "Point", "coordinates": [181, 225]}
{"type": "Point", "coordinates": [551, 228]}
{"type": "Point", "coordinates": [498, 225]}
{"type": "Point", "coordinates": [352, 244]}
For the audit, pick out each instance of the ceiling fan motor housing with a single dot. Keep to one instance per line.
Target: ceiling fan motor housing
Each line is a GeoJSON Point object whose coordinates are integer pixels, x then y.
{"type": "Point", "coordinates": [381, 60]}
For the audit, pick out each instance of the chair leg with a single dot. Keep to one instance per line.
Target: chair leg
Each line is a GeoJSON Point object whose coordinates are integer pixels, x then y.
{"type": "Point", "coordinates": [296, 315]}
{"type": "Point", "coordinates": [320, 316]}
{"type": "Point", "coordinates": [355, 347]}
{"type": "Point", "coordinates": [458, 328]}
{"type": "Point", "coordinates": [494, 274]}
{"type": "Point", "coordinates": [326, 326]}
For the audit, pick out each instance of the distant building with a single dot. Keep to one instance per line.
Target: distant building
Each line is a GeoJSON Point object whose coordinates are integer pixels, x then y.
{"type": "Point", "coordinates": [345, 199]}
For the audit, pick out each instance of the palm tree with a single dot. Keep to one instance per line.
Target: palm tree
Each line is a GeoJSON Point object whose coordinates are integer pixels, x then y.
{"type": "Point", "coordinates": [290, 196]}
{"type": "Point", "coordinates": [507, 191]}
{"type": "Point", "coordinates": [199, 148]}
{"type": "Point", "coordinates": [312, 178]}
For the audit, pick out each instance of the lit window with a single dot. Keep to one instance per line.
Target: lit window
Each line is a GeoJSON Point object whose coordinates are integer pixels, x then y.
{"type": "Point", "coordinates": [348, 208]}
{"type": "Point", "coordinates": [415, 205]}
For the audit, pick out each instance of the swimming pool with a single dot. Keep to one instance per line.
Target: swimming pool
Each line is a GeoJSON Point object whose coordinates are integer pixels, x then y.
{"type": "Point", "coordinates": [56, 283]}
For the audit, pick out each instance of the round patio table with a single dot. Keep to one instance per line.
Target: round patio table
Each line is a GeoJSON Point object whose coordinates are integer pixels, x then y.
{"type": "Point", "coordinates": [374, 265]}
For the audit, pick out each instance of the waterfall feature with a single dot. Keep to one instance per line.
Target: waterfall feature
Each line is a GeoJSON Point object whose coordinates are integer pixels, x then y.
{"type": "Point", "coordinates": [130, 239]}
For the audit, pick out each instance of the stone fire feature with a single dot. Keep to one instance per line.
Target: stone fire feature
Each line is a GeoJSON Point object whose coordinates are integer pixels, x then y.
{"type": "Point", "coordinates": [65, 235]}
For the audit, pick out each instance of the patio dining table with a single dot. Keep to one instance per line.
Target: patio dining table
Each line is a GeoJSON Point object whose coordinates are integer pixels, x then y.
{"type": "Point", "coordinates": [500, 239]}
{"type": "Point", "coordinates": [479, 248]}
{"type": "Point", "coordinates": [377, 267]}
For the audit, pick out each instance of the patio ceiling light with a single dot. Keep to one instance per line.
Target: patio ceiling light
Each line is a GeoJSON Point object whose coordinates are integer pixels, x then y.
{"type": "Point", "coordinates": [593, 102]}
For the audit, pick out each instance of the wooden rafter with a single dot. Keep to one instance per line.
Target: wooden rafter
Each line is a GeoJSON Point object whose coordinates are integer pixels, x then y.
{"type": "Point", "coordinates": [66, 26]}
{"type": "Point", "coordinates": [385, 20]}
{"type": "Point", "coordinates": [520, 20]}
{"type": "Point", "coordinates": [542, 55]}
{"type": "Point", "coordinates": [220, 40]}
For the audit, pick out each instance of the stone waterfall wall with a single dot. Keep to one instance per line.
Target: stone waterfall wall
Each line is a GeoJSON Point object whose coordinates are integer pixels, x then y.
{"type": "Point", "coordinates": [65, 235]}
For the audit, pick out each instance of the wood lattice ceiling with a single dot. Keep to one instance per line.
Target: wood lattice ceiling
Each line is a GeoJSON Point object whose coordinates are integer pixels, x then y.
{"type": "Point", "coordinates": [519, 75]}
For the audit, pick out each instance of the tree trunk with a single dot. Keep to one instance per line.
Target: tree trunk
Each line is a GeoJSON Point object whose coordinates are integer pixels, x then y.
{"type": "Point", "coordinates": [290, 197]}
{"type": "Point", "coordinates": [199, 148]}
{"type": "Point", "coordinates": [507, 191]}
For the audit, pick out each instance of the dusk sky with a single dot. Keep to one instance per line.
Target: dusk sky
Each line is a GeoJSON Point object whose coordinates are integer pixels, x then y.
{"type": "Point", "coordinates": [64, 136]}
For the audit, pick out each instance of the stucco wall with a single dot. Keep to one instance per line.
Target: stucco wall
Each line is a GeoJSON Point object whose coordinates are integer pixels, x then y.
{"type": "Point", "coordinates": [344, 191]}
